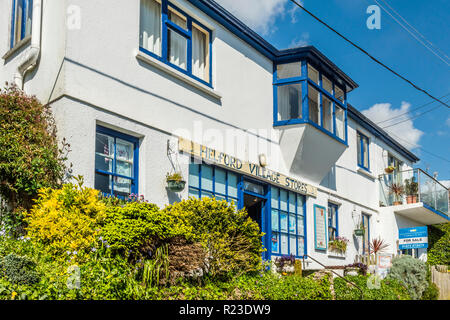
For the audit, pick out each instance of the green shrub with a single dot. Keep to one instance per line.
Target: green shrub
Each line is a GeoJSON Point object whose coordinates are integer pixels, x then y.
{"type": "Point", "coordinates": [29, 154]}
{"type": "Point", "coordinates": [412, 273]}
{"type": "Point", "coordinates": [134, 225]}
{"type": "Point", "coordinates": [67, 219]}
{"type": "Point", "coordinates": [19, 269]}
{"type": "Point", "coordinates": [231, 238]}
{"type": "Point", "coordinates": [389, 289]}
{"type": "Point", "coordinates": [439, 245]}
{"type": "Point", "coordinates": [431, 292]}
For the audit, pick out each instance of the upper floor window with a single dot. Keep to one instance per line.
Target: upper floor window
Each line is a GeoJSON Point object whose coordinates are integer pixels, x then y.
{"type": "Point", "coordinates": [175, 38]}
{"type": "Point", "coordinates": [363, 150]}
{"type": "Point", "coordinates": [22, 14]}
{"type": "Point", "coordinates": [305, 95]}
{"type": "Point", "coordinates": [116, 162]}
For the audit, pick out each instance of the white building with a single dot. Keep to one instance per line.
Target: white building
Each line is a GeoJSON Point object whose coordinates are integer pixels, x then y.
{"type": "Point", "coordinates": [138, 87]}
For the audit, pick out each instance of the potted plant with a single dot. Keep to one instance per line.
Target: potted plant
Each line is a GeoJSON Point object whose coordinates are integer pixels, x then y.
{"type": "Point", "coordinates": [389, 169]}
{"type": "Point", "coordinates": [398, 191]}
{"type": "Point", "coordinates": [377, 246]}
{"type": "Point", "coordinates": [412, 190]}
{"type": "Point", "coordinates": [339, 245]}
{"type": "Point", "coordinates": [175, 182]}
{"type": "Point", "coordinates": [359, 231]}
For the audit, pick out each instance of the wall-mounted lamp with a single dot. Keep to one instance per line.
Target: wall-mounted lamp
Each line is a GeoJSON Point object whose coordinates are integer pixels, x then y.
{"type": "Point", "coordinates": [262, 160]}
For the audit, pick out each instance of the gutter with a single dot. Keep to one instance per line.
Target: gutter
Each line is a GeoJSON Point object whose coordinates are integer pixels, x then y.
{"type": "Point", "coordinates": [31, 56]}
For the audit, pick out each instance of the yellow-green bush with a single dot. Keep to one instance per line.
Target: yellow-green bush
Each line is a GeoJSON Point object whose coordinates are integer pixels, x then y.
{"type": "Point", "coordinates": [231, 238]}
{"type": "Point", "coordinates": [66, 219]}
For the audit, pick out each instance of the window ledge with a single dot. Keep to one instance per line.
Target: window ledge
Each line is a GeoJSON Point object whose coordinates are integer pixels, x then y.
{"type": "Point", "coordinates": [22, 43]}
{"type": "Point", "coordinates": [366, 173]}
{"type": "Point", "coordinates": [333, 254]}
{"type": "Point", "coordinates": [177, 74]}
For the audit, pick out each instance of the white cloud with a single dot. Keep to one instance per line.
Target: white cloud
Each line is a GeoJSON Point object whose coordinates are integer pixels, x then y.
{"type": "Point", "coordinates": [448, 122]}
{"type": "Point", "coordinates": [402, 132]}
{"type": "Point", "coordinates": [259, 15]}
{"type": "Point", "coordinates": [300, 42]}
{"type": "Point", "coordinates": [446, 183]}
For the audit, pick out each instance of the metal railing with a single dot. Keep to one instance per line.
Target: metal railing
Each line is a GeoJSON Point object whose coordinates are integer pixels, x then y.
{"type": "Point", "coordinates": [422, 188]}
{"type": "Point", "coordinates": [325, 267]}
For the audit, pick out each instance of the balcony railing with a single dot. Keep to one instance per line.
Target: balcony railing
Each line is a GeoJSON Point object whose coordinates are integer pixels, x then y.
{"type": "Point", "coordinates": [417, 186]}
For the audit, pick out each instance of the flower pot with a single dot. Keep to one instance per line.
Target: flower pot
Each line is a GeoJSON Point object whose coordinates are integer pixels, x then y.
{"type": "Point", "coordinates": [175, 185]}
{"type": "Point", "coordinates": [359, 232]}
{"type": "Point", "coordinates": [398, 203]}
{"type": "Point", "coordinates": [388, 170]}
{"type": "Point", "coordinates": [411, 199]}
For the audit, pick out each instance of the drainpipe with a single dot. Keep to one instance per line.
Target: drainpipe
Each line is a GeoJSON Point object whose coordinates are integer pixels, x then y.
{"type": "Point", "coordinates": [31, 56]}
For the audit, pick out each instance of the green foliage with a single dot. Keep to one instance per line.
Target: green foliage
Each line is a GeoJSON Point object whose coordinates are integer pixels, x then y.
{"type": "Point", "coordinates": [231, 238]}
{"type": "Point", "coordinates": [135, 224]}
{"type": "Point", "coordinates": [389, 289]}
{"type": "Point", "coordinates": [19, 269]}
{"type": "Point", "coordinates": [157, 268]}
{"type": "Point", "coordinates": [66, 219]}
{"type": "Point", "coordinates": [412, 273]}
{"type": "Point", "coordinates": [439, 245]}
{"type": "Point", "coordinates": [431, 292]}
{"type": "Point", "coordinates": [29, 154]}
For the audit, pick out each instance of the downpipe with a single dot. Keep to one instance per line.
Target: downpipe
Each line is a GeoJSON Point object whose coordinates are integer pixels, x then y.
{"type": "Point", "coordinates": [31, 56]}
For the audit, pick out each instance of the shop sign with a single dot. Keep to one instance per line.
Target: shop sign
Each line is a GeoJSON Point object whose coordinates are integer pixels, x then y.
{"type": "Point", "coordinates": [222, 159]}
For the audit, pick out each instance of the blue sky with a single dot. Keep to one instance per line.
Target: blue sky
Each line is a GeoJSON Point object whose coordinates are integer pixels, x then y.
{"type": "Point", "coordinates": [380, 94]}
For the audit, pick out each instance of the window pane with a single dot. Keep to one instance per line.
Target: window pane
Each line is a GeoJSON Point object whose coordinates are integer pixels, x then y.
{"type": "Point", "coordinates": [124, 157]}
{"type": "Point", "coordinates": [194, 175]}
{"type": "Point", "coordinates": [340, 122]}
{"type": "Point", "coordinates": [313, 74]}
{"type": "Point", "coordinates": [274, 194]}
{"type": "Point", "coordinates": [289, 70]}
{"type": "Point", "coordinates": [150, 26]}
{"type": "Point", "coordinates": [18, 22]}
{"type": "Point", "coordinates": [313, 102]}
{"type": "Point", "coordinates": [200, 53]}
{"type": "Point", "coordinates": [283, 222]}
{"type": "Point", "coordinates": [283, 200]}
{"type": "Point", "coordinates": [284, 243]}
{"type": "Point", "coordinates": [289, 101]}
{"type": "Point", "coordinates": [292, 197]}
{"type": "Point", "coordinates": [207, 178]}
{"type": "Point", "coordinates": [331, 233]}
{"type": "Point", "coordinates": [103, 182]}
{"type": "Point", "coordinates": [254, 187]}
{"type": "Point", "coordinates": [300, 201]}
{"type": "Point", "coordinates": [327, 85]}
{"type": "Point", "coordinates": [232, 185]}
{"type": "Point", "coordinates": [366, 152]}
{"type": "Point", "coordinates": [358, 145]}
{"type": "Point", "coordinates": [293, 245]}
{"type": "Point", "coordinates": [300, 225]}
{"type": "Point", "coordinates": [220, 180]}
{"type": "Point", "coordinates": [275, 242]}
{"type": "Point", "coordinates": [177, 49]}
{"type": "Point", "coordinates": [301, 246]}
{"type": "Point", "coordinates": [122, 186]}
{"type": "Point", "coordinates": [177, 18]}
{"type": "Point", "coordinates": [28, 17]}
{"type": "Point", "coordinates": [327, 113]}
{"type": "Point", "coordinates": [339, 93]}
{"type": "Point", "coordinates": [275, 224]}
{"type": "Point", "coordinates": [104, 152]}
{"type": "Point", "coordinates": [292, 224]}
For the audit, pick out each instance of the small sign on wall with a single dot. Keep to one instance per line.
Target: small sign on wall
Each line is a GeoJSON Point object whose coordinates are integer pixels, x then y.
{"type": "Point", "coordinates": [320, 227]}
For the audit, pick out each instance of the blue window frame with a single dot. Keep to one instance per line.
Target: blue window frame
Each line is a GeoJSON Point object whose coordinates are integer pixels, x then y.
{"type": "Point", "coordinates": [363, 144]}
{"type": "Point", "coordinates": [302, 94]}
{"type": "Point", "coordinates": [210, 181]}
{"type": "Point", "coordinates": [21, 20]}
{"type": "Point", "coordinates": [116, 163]}
{"type": "Point", "coordinates": [170, 35]}
{"type": "Point", "coordinates": [333, 222]}
{"type": "Point", "coordinates": [288, 223]}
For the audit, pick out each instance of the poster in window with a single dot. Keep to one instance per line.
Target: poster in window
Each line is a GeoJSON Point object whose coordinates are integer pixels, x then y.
{"type": "Point", "coordinates": [284, 244]}
{"type": "Point", "coordinates": [274, 242]}
{"type": "Point", "coordinates": [320, 228]}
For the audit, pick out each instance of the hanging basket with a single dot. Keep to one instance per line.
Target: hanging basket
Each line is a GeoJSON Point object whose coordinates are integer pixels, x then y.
{"type": "Point", "coordinates": [176, 185]}
{"type": "Point", "coordinates": [359, 232]}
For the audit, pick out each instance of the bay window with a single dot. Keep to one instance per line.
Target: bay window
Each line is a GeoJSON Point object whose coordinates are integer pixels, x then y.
{"type": "Point", "coordinates": [21, 20]}
{"type": "Point", "coordinates": [173, 37]}
{"type": "Point", "coordinates": [303, 94]}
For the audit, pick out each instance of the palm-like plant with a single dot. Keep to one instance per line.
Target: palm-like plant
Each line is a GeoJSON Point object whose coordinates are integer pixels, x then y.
{"type": "Point", "coordinates": [397, 190]}
{"type": "Point", "coordinates": [378, 245]}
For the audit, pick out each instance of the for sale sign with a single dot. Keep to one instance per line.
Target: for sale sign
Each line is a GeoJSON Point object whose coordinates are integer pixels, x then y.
{"type": "Point", "coordinates": [413, 238]}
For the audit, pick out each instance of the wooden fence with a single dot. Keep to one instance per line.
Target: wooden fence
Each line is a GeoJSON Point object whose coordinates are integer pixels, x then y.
{"type": "Point", "coordinates": [441, 277]}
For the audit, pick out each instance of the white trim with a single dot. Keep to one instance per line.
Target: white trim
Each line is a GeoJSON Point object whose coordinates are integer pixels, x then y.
{"type": "Point", "coordinates": [179, 75]}
{"type": "Point", "coordinates": [366, 173]}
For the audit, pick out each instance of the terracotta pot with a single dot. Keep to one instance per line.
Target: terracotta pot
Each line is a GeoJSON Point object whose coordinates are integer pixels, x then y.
{"type": "Point", "coordinates": [411, 199]}
{"type": "Point", "coordinates": [398, 203]}
{"type": "Point", "coordinates": [388, 170]}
